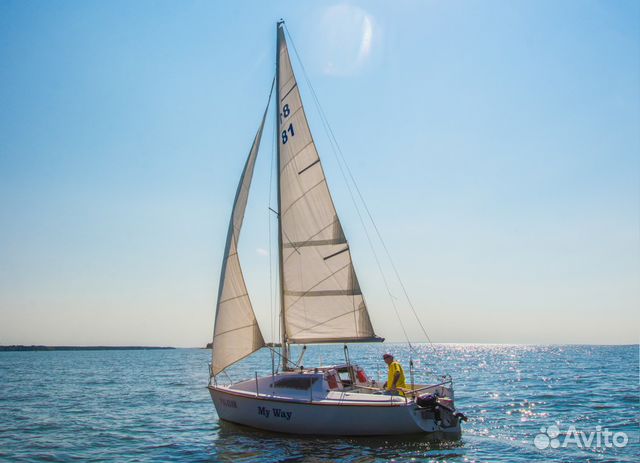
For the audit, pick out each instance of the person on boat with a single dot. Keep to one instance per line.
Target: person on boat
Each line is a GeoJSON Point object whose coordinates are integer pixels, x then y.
{"type": "Point", "coordinates": [396, 380]}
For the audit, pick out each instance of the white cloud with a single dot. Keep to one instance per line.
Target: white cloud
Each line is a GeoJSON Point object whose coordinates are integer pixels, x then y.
{"type": "Point", "coordinates": [367, 35]}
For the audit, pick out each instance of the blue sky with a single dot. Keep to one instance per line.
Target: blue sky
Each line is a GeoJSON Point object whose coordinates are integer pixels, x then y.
{"type": "Point", "coordinates": [496, 143]}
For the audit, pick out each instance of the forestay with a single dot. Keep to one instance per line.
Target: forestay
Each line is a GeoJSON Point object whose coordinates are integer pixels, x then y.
{"type": "Point", "coordinates": [322, 298]}
{"type": "Point", "coordinates": [236, 333]}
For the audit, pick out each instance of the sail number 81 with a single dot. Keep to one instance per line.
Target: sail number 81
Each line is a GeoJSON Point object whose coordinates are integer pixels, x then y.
{"type": "Point", "coordinates": [285, 135]}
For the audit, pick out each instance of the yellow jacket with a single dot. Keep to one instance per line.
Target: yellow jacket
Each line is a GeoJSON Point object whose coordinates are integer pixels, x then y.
{"type": "Point", "coordinates": [395, 367]}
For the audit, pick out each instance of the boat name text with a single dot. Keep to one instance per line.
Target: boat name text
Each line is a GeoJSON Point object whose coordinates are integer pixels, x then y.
{"type": "Point", "coordinates": [277, 412]}
{"type": "Point", "coordinates": [229, 403]}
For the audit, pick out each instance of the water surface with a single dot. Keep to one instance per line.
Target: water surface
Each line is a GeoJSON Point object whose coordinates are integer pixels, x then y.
{"type": "Point", "coordinates": [90, 406]}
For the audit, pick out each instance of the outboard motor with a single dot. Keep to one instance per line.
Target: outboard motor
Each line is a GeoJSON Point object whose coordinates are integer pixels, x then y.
{"type": "Point", "coordinates": [428, 401]}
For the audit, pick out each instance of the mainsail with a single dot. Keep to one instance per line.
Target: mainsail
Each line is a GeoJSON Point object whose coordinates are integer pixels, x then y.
{"type": "Point", "coordinates": [321, 297]}
{"type": "Point", "coordinates": [236, 333]}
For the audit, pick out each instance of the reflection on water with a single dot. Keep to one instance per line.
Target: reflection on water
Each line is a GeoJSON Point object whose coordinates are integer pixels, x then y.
{"type": "Point", "coordinates": [240, 443]}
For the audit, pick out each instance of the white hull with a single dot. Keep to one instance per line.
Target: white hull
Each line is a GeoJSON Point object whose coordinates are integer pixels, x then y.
{"type": "Point", "coordinates": [328, 417]}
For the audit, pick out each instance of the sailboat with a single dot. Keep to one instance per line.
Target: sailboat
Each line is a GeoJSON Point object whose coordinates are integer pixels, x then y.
{"type": "Point", "coordinates": [320, 302]}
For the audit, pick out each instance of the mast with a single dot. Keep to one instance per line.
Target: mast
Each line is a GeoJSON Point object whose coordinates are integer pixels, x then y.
{"type": "Point", "coordinates": [283, 325]}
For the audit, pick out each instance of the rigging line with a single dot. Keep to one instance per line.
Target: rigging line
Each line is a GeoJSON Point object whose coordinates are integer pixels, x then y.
{"type": "Point", "coordinates": [280, 356]}
{"type": "Point", "coordinates": [269, 234]}
{"type": "Point", "coordinates": [328, 129]}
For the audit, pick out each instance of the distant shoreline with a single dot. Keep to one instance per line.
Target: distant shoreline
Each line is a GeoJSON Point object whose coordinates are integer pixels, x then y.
{"type": "Point", "coordinates": [41, 348]}
{"type": "Point", "coordinates": [20, 348]}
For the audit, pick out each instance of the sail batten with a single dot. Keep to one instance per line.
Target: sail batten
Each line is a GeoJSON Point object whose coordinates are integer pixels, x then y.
{"type": "Point", "coordinates": [321, 298]}
{"type": "Point", "coordinates": [236, 333]}
{"type": "Point", "coordinates": [326, 292]}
